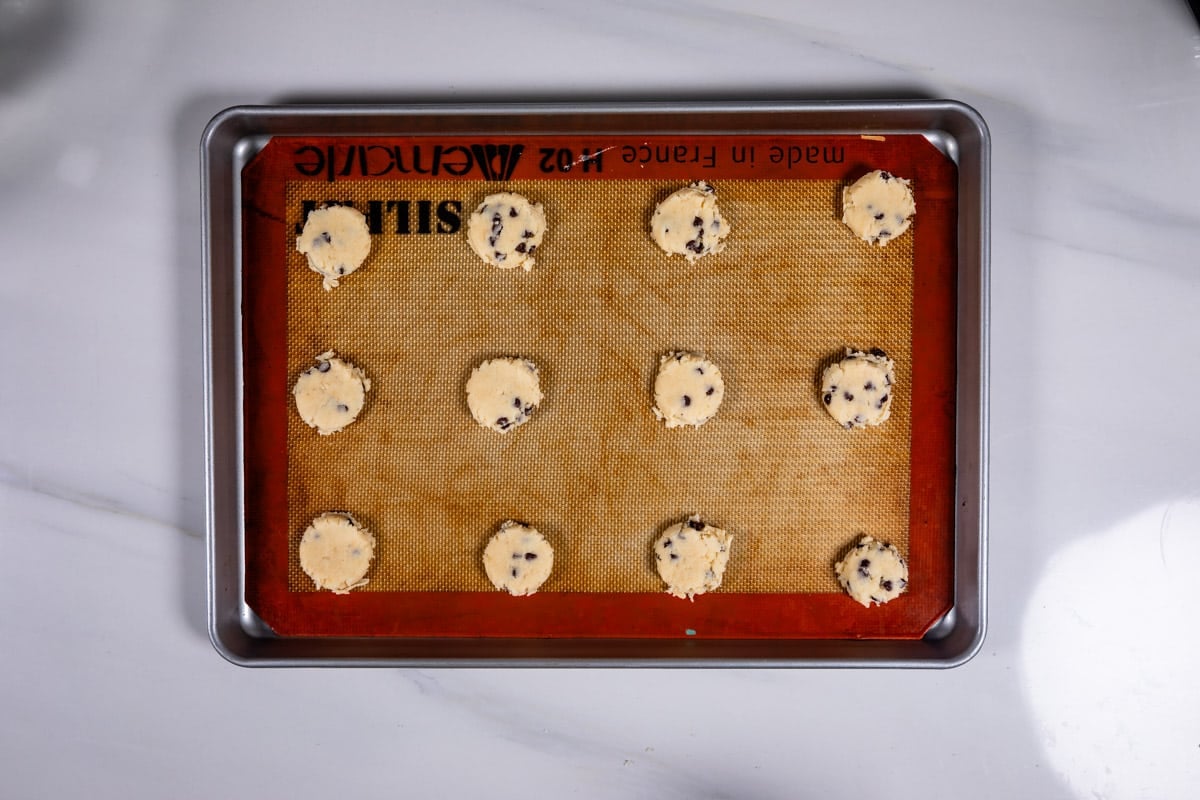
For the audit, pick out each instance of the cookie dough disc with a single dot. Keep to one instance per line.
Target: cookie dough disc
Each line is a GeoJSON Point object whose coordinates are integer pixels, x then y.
{"type": "Point", "coordinates": [502, 393]}
{"type": "Point", "coordinates": [506, 229]}
{"type": "Point", "coordinates": [518, 559]}
{"type": "Point", "coordinates": [691, 557]}
{"type": "Point", "coordinates": [336, 241]}
{"type": "Point", "coordinates": [336, 552]}
{"type": "Point", "coordinates": [878, 207]}
{"type": "Point", "coordinates": [330, 395]}
{"type": "Point", "coordinates": [857, 391]}
{"type": "Point", "coordinates": [689, 224]}
{"type": "Point", "coordinates": [688, 390]}
{"type": "Point", "coordinates": [872, 572]}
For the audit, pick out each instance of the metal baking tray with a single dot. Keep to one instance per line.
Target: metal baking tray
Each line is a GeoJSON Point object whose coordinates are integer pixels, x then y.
{"type": "Point", "coordinates": [236, 135]}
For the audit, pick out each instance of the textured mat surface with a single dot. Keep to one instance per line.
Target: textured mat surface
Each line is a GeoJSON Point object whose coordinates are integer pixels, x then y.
{"type": "Point", "coordinates": [593, 469]}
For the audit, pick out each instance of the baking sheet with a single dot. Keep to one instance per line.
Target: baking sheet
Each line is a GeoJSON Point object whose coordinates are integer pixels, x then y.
{"type": "Point", "coordinates": [760, 269]}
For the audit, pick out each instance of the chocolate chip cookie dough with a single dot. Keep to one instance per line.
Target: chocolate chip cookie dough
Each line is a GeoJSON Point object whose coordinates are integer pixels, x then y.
{"type": "Point", "coordinates": [336, 241]}
{"type": "Point", "coordinates": [503, 392]}
{"type": "Point", "coordinates": [506, 229]}
{"type": "Point", "coordinates": [872, 572]}
{"type": "Point", "coordinates": [878, 207]}
{"type": "Point", "coordinates": [691, 557]}
{"type": "Point", "coordinates": [518, 559]}
{"type": "Point", "coordinates": [336, 552]}
{"type": "Point", "coordinates": [857, 391]}
{"type": "Point", "coordinates": [330, 395]}
{"type": "Point", "coordinates": [687, 390]}
{"type": "Point", "coordinates": [688, 223]}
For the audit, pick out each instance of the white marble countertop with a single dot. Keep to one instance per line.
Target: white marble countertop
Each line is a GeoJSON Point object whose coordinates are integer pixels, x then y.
{"type": "Point", "coordinates": [1085, 684]}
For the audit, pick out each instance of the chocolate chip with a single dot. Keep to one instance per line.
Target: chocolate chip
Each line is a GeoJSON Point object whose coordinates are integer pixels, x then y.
{"type": "Point", "coordinates": [520, 248]}
{"type": "Point", "coordinates": [514, 573]}
{"type": "Point", "coordinates": [882, 400]}
{"type": "Point", "coordinates": [860, 419]}
{"type": "Point", "coordinates": [828, 398]}
{"type": "Point", "coordinates": [699, 223]}
{"type": "Point", "coordinates": [864, 568]}
{"type": "Point", "coordinates": [875, 599]}
{"type": "Point", "coordinates": [868, 386]}
{"type": "Point", "coordinates": [875, 351]}
{"type": "Point", "coordinates": [903, 582]}
{"type": "Point", "coordinates": [687, 401]}
{"type": "Point", "coordinates": [517, 402]}
{"type": "Point", "coordinates": [530, 556]}
{"type": "Point", "coordinates": [708, 392]}
{"type": "Point", "coordinates": [849, 397]}
{"type": "Point", "coordinates": [667, 543]}
{"type": "Point", "coordinates": [884, 234]}
{"type": "Point", "coordinates": [887, 586]}
{"type": "Point", "coordinates": [527, 235]}
{"type": "Point", "coordinates": [497, 223]}
{"type": "Point", "coordinates": [700, 370]}
{"type": "Point", "coordinates": [696, 246]}
{"type": "Point", "coordinates": [499, 256]}
{"type": "Point", "coordinates": [887, 176]}
{"type": "Point", "coordinates": [532, 247]}
{"type": "Point", "coordinates": [695, 524]}
{"type": "Point", "coordinates": [342, 407]}
{"type": "Point", "coordinates": [879, 215]}
{"type": "Point", "coordinates": [674, 556]}
{"type": "Point", "coordinates": [516, 556]}
{"type": "Point", "coordinates": [326, 237]}
{"type": "Point", "coordinates": [502, 422]}
{"type": "Point", "coordinates": [341, 270]}
{"type": "Point", "coordinates": [324, 366]}
{"type": "Point", "coordinates": [512, 212]}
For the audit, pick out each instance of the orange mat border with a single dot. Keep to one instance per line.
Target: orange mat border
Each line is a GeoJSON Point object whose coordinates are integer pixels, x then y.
{"type": "Point", "coordinates": [599, 615]}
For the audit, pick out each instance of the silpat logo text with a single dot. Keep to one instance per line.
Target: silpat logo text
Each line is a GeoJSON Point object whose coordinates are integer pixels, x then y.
{"type": "Point", "coordinates": [495, 162]}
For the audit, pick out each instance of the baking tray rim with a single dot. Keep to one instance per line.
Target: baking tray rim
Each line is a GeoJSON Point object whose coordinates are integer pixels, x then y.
{"type": "Point", "coordinates": [234, 135]}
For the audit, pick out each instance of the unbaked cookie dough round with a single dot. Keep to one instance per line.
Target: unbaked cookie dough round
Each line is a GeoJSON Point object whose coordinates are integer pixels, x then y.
{"type": "Point", "coordinates": [688, 223]}
{"type": "Point", "coordinates": [857, 391]}
{"type": "Point", "coordinates": [336, 241]}
{"type": "Point", "coordinates": [336, 552]}
{"type": "Point", "coordinates": [518, 559]}
{"type": "Point", "coordinates": [691, 557]}
{"type": "Point", "coordinates": [330, 395]}
{"type": "Point", "coordinates": [872, 572]}
{"type": "Point", "coordinates": [878, 207]}
{"type": "Point", "coordinates": [687, 390]}
{"type": "Point", "coordinates": [503, 392]}
{"type": "Point", "coordinates": [506, 229]}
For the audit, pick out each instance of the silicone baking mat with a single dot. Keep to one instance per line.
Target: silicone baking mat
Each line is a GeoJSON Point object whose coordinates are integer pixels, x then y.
{"type": "Point", "coordinates": [593, 469]}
